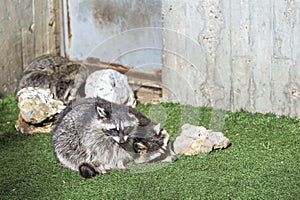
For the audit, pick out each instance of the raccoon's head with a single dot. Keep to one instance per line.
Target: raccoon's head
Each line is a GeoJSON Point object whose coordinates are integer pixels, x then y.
{"type": "Point", "coordinates": [116, 121]}
{"type": "Point", "coordinates": [162, 154]}
{"type": "Point", "coordinates": [155, 138]}
{"type": "Point", "coordinates": [155, 148]}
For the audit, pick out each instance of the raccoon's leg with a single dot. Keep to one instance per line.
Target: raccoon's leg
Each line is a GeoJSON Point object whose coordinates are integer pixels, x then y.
{"type": "Point", "coordinates": [101, 169]}
{"type": "Point", "coordinates": [77, 89]}
{"type": "Point", "coordinates": [66, 96]}
{"type": "Point", "coordinates": [122, 167]}
{"type": "Point", "coordinates": [54, 92]}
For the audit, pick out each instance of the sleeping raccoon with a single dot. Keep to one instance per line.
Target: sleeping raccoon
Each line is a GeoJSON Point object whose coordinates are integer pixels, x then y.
{"type": "Point", "coordinates": [94, 135]}
{"type": "Point", "coordinates": [155, 146]}
{"type": "Point", "coordinates": [61, 76]}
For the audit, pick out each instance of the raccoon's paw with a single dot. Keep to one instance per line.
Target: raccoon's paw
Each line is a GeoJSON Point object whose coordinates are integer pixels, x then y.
{"type": "Point", "coordinates": [87, 170]}
{"type": "Point", "coordinates": [101, 169]}
{"type": "Point", "coordinates": [124, 170]}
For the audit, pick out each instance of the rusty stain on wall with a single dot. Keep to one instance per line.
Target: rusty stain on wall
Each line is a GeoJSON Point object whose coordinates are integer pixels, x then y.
{"type": "Point", "coordinates": [69, 24]}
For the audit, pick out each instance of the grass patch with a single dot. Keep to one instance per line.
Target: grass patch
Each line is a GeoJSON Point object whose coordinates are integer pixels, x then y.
{"type": "Point", "coordinates": [261, 163]}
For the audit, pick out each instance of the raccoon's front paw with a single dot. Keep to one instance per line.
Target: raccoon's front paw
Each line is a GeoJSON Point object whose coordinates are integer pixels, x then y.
{"type": "Point", "coordinates": [101, 169]}
{"type": "Point", "coordinates": [124, 170]}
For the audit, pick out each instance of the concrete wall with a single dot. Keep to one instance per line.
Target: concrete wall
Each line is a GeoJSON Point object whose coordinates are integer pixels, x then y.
{"type": "Point", "coordinates": [233, 54]}
{"type": "Point", "coordinates": [121, 31]}
{"type": "Point", "coordinates": [27, 29]}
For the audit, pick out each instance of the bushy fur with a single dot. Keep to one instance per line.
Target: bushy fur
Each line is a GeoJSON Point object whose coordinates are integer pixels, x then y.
{"type": "Point", "coordinates": [82, 139]}
{"type": "Point", "coordinates": [155, 146]}
{"type": "Point", "coordinates": [61, 76]}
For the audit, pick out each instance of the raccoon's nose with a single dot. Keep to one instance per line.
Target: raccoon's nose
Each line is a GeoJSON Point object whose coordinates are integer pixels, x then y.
{"type": "Point", "coordinates": [122, 138]}
{"type": "Point", "coordinates": [121, 141]}
{"type": "Point", "coordinates": [174, 158]}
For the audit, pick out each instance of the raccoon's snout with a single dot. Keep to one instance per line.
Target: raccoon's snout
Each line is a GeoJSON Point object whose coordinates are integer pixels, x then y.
{"type": "Point", "coordinates": [120, 138]}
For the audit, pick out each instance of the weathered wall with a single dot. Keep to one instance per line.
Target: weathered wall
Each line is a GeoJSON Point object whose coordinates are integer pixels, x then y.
{"type": "Point", "coordinates": [121, 31]}
{"type": "Point", "coordinates": [233, 54]}
{"type": "Point", "coordinates": [227, 54]}
{"type": "Point", "coordinates": [28, 28]}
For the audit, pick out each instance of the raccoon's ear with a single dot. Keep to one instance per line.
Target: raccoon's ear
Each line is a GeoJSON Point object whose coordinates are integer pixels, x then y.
{"type": "Point", "coordinates": [157, 129]}
{"type": "Point", "coordinates": [101, 112]}
{"type": "Point", "coordinates": [142, 119]}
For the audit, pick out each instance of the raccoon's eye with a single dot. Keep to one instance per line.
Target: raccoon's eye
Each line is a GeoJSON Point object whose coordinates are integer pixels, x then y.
{"type": "Point", "coordinates": [114, 132]}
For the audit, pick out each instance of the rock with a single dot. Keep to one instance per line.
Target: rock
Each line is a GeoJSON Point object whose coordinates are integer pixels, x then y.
{"type": "Point", "coordinates": [111, 86]}
{"type": "Point", "coordinates": [37, 108]}
{"type": "Point", "coordinates": [37, 104]}
{"type": "Point", "coordinates": [197, 139]}
{"type": "Point", "coordinates": [30, 129]}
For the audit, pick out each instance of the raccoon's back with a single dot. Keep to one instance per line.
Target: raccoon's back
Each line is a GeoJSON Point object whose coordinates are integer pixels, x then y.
{"type": "Point", "coordinates": [49, 71]}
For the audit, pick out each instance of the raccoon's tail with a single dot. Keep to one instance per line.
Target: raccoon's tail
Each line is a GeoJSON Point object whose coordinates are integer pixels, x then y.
{"type": "Point", "coordinates": [87, 170]}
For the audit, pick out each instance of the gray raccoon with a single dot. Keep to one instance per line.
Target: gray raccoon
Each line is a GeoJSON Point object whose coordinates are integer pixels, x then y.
{"type": "Point", "coordinates": [155, 146]}
{"type": "Point", "coordinates": [61, 76]}
{"type": "Point", "coordinates": [94, 135]}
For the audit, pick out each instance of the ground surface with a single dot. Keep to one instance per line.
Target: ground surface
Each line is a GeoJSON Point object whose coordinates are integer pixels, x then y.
{"type": "Point", "coordinates": [261, 163]}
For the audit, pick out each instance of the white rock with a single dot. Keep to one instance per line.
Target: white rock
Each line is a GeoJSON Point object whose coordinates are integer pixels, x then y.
{"type": "Point", "coordinates": [37, 105]}
{"type": "Point", "coordinates": [197, 139]}
{"type": "Point", "coordinates": [111, 86]}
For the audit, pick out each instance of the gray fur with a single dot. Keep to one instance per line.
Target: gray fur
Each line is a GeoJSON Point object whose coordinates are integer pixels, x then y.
{"type": "Point", "coordinates": [155, 146]}
{"type": "Point", "coordinates": [61, 76]}
{"type": "Point", "coordinates": [79, 137]}
{"type": "Point", "coordinates": [82, 137]}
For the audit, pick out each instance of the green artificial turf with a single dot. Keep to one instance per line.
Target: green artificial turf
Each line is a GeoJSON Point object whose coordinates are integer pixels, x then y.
{"type": "Point", "coordinates": [261, 163]}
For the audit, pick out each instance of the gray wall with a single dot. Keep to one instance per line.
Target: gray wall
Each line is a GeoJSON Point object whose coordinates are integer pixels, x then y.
{"type": "Point", "coordinates": [226, 54]}
{"type": "Point", "coordinates": [121, 31]}
{"type": "Point", "coordinates": [233, 54]}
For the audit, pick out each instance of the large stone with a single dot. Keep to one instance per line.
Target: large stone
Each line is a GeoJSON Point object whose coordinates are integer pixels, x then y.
{"type": "Point", "coordinates": [111, 86]}
{"type": "Point", "coordinates": [197, 139]}
{"type": "Point", "coordinates": [37, 108]}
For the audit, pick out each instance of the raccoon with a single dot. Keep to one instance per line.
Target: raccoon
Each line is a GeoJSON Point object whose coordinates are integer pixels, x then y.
{"type": "Point", "coordinates": [152, 142]}
{"type": "Point", "coordinates": [154, 147]}
{"type": "Point", "coordinates": [63, 77]}
{"type": "Point", "coordinates": [94, 135]}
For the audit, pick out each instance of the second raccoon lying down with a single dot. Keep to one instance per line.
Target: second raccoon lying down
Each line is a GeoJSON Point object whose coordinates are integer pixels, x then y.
{"type": "Point", "coordinates": [94, 135]}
